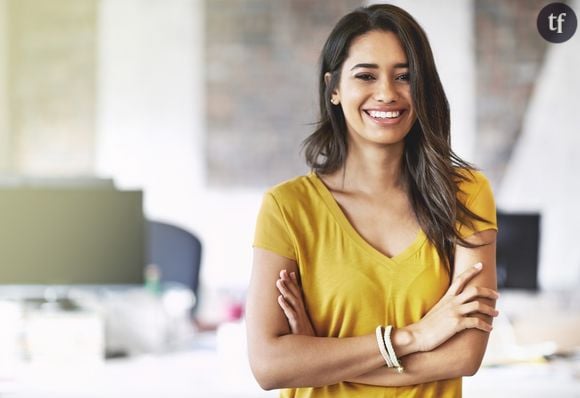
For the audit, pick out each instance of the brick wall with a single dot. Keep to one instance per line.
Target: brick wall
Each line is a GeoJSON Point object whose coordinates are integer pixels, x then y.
{"type": "Point", "coordinates": [261, 85]}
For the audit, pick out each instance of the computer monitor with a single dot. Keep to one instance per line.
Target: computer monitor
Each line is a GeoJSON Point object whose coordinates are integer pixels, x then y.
{"type": "Point", "coordinates": [71, 236]}
{"type": "Point", "coordinates": [518, 243]}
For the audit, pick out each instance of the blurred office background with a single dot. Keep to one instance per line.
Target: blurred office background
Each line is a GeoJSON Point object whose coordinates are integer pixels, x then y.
{"type": "Point", "coordinates": [202, 105]}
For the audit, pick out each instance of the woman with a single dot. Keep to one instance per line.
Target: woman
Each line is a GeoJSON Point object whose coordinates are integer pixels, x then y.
{"type": "Point", "coordinates": [391, 237]}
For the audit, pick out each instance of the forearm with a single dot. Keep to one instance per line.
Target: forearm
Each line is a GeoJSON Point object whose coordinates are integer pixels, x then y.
{"type": "Point", "coordinates": [303, 361]}
{"type": "Point", "coordinates": [447, 318]}
{"type": "Point", "coordinates": [459, 356]}
{"type": "Point", "coordinates": [280, 359]}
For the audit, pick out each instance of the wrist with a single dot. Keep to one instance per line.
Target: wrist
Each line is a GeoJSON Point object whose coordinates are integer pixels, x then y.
{"type": "Point", "coordinates": [405, 341]}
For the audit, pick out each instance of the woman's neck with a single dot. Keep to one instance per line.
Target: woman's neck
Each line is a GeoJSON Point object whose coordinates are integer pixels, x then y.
{"type": "Point", "coordinates": [373, 171]}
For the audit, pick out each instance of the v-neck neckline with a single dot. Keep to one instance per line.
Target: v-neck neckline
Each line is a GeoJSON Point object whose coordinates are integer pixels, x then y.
{"type": "Point", "coordinates": [347, 227]}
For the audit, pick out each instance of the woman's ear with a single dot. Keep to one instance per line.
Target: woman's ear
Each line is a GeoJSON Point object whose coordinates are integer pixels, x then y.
{"type": "Point", "coordinates": [334, 97]}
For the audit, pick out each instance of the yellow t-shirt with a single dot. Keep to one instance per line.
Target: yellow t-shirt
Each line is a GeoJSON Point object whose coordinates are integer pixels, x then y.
{"type": "Point", "coordinates": [349, 286]}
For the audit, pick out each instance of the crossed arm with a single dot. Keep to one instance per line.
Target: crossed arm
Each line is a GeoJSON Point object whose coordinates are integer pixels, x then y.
{"type": "Point", "coordinates": [285, 353]}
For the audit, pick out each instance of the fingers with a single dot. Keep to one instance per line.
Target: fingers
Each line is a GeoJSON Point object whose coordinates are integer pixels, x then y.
{"type": "Point", "coordinates": [286, 293]}
{"type": "Point", "coordinates": [288, 310]}
{"type": "Point", "coordinates": [476, 306]}
{"type": "Point", "coordinates": [292, 303]}
{"type": "Point", "coordinates": [476, 323]}
{"type": "Point", "coordinates": [293, 277]}
{"type": "Point", "coordinates": [477, 291]}
{"type": "Point", "coordinates": [291, 282]}
{"type": "Point", "coordinates": [462, 279]}
{"type": "Point", "coordinates": [289, 289]}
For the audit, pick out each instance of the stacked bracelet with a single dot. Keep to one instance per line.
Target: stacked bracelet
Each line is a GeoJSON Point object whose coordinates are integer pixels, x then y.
{"type": "Point", "coordinates": [386, 348]}
{"type": "Point", "coordinates": [391, 351]}
{"type": "Point", "coordinates": [382, 346]}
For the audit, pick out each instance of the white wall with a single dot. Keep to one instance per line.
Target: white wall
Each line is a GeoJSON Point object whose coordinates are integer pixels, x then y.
{"type": "Point", "coordinates": [149, 101]}
{"type": "Point", "coordinates": [151, 129]}
{"type": "Point", "coordinates": [544, 172]}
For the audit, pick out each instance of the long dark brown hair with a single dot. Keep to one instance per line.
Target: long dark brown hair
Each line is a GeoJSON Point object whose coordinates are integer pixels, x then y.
{"type": "Point", "coordinates": [430, 168]}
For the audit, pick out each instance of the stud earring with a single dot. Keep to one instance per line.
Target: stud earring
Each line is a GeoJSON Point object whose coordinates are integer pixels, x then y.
{"type": "Point", "coordinates": [334, 101]}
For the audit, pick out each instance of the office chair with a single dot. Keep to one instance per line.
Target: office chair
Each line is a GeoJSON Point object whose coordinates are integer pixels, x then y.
{"type": "Point", "coordinates": [176, 252]}
{"type": "Point", "coordinates": [518, 242]}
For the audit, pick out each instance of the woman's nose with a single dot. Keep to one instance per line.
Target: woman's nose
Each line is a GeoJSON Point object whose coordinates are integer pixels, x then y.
{"type": "Point", "coordinates": [386, 92]}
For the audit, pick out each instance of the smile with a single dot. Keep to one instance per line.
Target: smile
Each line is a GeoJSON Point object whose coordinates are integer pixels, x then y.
{"type": "Point", "coordinates": [384, 118]}
{"type": "Point", "coordinates": [384, 115]}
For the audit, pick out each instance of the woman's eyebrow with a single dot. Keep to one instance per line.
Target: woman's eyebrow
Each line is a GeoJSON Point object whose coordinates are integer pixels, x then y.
{"type": "Point", "coordinates": [375, 66]}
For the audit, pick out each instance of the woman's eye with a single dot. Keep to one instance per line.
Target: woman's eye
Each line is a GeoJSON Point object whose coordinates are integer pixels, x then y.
{"type": "Point", "coordinates": [365, 76]}
{"type": "Point", "coordinates": [404, 77]}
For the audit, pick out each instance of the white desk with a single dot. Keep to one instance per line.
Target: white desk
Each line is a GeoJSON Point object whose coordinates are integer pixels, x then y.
{"type": "Point", "coordinates": [199, 373]}
{"type": "Point", "coordinates": [203, 373]}
{"type": "Point", "coordinates": [555, 379]}
{"type": "Point", "coordinates": [218, 367]}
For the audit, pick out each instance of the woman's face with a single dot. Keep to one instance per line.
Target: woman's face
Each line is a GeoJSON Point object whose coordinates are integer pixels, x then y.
{"type": "Point", "coordinates": [374, 90]}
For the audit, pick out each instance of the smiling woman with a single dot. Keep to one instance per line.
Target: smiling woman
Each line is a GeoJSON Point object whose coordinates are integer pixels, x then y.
{"type": "Point", "coordinates": [377, 267]}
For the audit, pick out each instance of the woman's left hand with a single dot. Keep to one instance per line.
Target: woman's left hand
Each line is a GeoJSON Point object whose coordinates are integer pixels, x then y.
{"type": "Point", "coordinates": [292, 303]}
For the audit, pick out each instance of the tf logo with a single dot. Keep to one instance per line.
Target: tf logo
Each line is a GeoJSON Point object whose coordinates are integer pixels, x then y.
{"type": "Point", "coordinates": [557, 22]}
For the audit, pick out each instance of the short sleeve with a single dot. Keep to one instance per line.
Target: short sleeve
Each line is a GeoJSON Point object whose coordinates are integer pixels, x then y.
{"type": "Point", "coordinates": [272, 230]}
{"type": "Point", "coordinates": [479, 200]}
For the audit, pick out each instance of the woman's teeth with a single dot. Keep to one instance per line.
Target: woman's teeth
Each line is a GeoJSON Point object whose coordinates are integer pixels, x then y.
{"type": "Point", "coordinates": [384, 115]}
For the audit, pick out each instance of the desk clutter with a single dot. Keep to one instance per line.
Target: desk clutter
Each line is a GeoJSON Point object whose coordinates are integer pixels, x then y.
{"type": "Point", "coordinates": [86, 276]}
{"type": "Point", "coordinates": [534, 327]}
{"type": "Point", "coordinates": [89, 326]}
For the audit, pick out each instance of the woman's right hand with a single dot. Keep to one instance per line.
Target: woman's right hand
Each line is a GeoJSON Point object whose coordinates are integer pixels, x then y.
{"type": "Point", "coordinates": [455, 312]}
{"type": "Point", "coordinates": [291, 301]}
